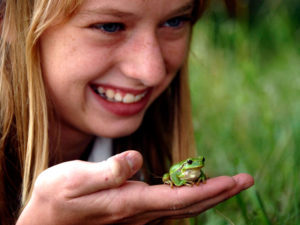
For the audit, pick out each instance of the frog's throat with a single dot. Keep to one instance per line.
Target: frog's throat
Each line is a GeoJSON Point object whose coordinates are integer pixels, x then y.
{"type": "Point", "coordinates": [190, 175]}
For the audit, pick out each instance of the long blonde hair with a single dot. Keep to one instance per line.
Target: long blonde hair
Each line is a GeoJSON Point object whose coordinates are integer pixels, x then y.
{"type": "Point", "coordinates": [24, 107]}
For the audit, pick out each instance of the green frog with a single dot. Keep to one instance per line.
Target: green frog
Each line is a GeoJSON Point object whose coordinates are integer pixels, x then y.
{"type": "Point", "coordinates": [186, 172]}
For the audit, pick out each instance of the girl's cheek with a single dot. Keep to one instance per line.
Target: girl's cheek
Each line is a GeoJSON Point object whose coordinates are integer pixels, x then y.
{"type": "Point", "coordinates": [176, 52]}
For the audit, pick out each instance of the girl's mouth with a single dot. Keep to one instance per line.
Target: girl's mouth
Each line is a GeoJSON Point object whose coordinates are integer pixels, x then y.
{"type": "Point", "coordinates": [121, 101]}
{"type": "Point", "coordinates": [116, 95]}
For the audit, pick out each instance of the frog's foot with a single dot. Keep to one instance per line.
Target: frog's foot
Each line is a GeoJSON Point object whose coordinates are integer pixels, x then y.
{"type": "Point", "coordinates": [169, 183]}
{"type": "Point", "coordinates": [202, 179]}
{"type": "Point", "coordinates": [198, 182]}
{"type": "Point", "coordinates": [166, 180]}
{"type": "Point", "coordinates": [189, 183]}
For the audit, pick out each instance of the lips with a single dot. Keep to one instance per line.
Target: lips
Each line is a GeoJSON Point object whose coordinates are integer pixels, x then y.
{"type": "Point", "coordinates": [121, 101]}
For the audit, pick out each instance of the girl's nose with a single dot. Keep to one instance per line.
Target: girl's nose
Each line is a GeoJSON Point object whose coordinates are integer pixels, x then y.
{"type": "Point", "coordinates": [143, 60]}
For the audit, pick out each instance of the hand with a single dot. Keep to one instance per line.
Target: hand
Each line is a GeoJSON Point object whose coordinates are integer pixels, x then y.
{"type": "Point", "coordinates": [87, 193]}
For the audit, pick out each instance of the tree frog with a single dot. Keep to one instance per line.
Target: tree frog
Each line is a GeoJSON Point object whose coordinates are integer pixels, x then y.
{"type": "Point", "coordinates": [186, 172]}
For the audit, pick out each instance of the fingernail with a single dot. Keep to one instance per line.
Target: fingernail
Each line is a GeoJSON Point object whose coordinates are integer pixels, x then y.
{"type": "Point", "coordinates": [131, 160]}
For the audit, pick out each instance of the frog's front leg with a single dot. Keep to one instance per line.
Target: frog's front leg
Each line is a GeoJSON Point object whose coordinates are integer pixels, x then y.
{"type": "Point", "coordinates": [176, 180]}
{"type": "Point", "coordinates": [202, 178]}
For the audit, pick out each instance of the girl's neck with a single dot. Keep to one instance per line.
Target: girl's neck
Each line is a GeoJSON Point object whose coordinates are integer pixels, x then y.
{"type": "Point", "coordinates": [68, 145]}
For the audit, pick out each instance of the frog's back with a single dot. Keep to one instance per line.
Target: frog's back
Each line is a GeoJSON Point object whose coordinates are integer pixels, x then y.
{"type": "Point", "coordinates": [175, 168]}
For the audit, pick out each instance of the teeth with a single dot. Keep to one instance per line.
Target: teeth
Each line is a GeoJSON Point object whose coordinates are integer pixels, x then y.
{"type": "Point", "coordinates": [110, 94]}
{"type": "Point", "coordinates": [101, 90]}
{"type": "Point", "coordinates": [139, 97]}
{"type": "Point", "coordinates": [128, 98]}
{"type": "Point", "coordinates": [114, 96]}
{"type": "Point", "coordinates": [118, 97]}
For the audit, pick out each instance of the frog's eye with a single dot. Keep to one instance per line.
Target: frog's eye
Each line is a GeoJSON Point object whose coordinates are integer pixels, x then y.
{"type": "Point", "coordinates": [203, 160]}
{"type": "Point", "coordinates": [190, 161]}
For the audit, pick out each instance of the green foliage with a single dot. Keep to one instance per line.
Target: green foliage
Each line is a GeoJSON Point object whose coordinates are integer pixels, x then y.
{"type": "Point", "coordinates": [245, 90]}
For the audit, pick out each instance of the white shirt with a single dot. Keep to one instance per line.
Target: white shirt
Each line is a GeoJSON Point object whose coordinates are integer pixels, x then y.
{"type": "Point", "coordinates": [101, 150]}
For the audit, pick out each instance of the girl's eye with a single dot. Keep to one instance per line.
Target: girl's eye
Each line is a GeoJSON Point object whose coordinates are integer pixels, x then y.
{"type": "Point", "coordinates": [109, 27]}
{"type": "Point", "coordinates": [176, 22]}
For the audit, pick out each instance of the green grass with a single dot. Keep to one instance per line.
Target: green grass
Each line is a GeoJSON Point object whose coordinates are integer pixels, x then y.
{"type": "Point", "coordinates": [245, 91]}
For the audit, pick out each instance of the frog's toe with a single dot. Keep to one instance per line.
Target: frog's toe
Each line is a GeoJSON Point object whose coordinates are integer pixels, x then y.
{"type": "Point", "coordinates": [168, 182]}
{"type": "Point", "coordinates": [190, 183]}
{"type": "Point", "coordinates": [201, 180]}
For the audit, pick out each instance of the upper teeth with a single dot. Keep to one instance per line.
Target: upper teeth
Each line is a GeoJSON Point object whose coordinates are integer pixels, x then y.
{"type": "Point", "coordinates": [115, 96]}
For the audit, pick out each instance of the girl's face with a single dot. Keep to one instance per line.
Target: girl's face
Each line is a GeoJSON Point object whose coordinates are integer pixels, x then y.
{"type": "Point", "coordinates": [111, 60]}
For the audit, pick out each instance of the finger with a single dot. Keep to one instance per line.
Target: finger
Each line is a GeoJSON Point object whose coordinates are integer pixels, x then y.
{"type": "Point", "coordinates": [110, 173]}
{"type": "Point", "coordinates": [78, 178]}
{"type": "Point", "coordinates": [243, 181]}
{"type": "Point", "coordinates": [162, 197]}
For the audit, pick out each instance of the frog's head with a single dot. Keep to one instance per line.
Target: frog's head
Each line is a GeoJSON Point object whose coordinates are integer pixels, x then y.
{"type": "Point", "coordinates": [193, 163]}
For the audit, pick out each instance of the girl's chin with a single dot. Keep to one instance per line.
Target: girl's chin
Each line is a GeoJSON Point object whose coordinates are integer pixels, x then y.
{"type": "Point", "coordinates": [118, 129]}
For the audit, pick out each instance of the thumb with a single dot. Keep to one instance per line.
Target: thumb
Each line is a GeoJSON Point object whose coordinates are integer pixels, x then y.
{"type": "Point", "coordinates": [121, 167]}
{"type": "Point", "coordinates": [107, 174]}
{"type": "Point", "coordinates": [79, 178]}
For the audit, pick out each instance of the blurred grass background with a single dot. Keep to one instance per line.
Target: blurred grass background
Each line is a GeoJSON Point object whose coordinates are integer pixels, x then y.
{"type": "Point", "coordinates": [245, 67]}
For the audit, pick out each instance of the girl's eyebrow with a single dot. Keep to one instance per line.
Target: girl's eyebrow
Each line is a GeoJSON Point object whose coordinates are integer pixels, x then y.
{"type": "Point", "coordinates": [185, 8]}
{"type": "Point", "coordinates": [121, 13]}
{"type": "Point", "coordinates": [108, 11]}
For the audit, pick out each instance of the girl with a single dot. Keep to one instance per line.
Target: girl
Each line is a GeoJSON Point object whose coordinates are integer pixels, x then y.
{"type": "Point", "coordinates": [87, 80]}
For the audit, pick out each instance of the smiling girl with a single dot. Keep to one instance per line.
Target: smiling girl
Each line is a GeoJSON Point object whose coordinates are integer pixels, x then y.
{"type": "Point", "coordinates": [82, 82]}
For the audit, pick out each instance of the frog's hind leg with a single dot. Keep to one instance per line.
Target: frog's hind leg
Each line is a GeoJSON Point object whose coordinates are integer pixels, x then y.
{"type": "Point", "coordinates": [167, 180]}
{"type": "Point", "coordinates": [177, 181]}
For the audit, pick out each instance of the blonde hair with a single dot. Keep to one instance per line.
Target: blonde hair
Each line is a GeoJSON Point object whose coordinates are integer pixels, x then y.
{"type": "Point", "coordinates": [23, 99]}
{"type": "Point", "coordinates": [24, 107]}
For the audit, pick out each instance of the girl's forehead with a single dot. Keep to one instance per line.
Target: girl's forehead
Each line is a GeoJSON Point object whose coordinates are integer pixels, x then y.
{"type": "Point", "coordinates": [127, 7]}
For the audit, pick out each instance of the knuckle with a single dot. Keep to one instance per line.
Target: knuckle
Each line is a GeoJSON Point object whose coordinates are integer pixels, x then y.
{"type": "Point", "coordinates": [119, 171]}
{"type": "Point", "coordinates": [46, 189]}
{"type": "Point", "coordinates": [41, 185]}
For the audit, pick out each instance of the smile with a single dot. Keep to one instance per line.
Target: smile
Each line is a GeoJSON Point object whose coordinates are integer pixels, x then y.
{"type": "Point", "coordinates": [120, 96]}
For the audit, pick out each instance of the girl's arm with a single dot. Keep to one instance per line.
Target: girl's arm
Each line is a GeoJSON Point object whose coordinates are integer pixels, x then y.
{"type": "Point", "coordinates": [87, 193]}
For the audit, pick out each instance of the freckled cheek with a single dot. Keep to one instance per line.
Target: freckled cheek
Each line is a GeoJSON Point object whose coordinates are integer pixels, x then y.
{"type": "Point", "coordinates": [175, 55]}
{"type": "Point", "coordinates": [74, 66]}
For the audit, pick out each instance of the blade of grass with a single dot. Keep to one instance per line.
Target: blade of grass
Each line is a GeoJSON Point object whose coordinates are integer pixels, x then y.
{"type": "Point", "coordinates": [262, 207]}
{"type": "Point", "coordinates": [243, 207]}
{"type": "Point", "coordinates": [224, 217]}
